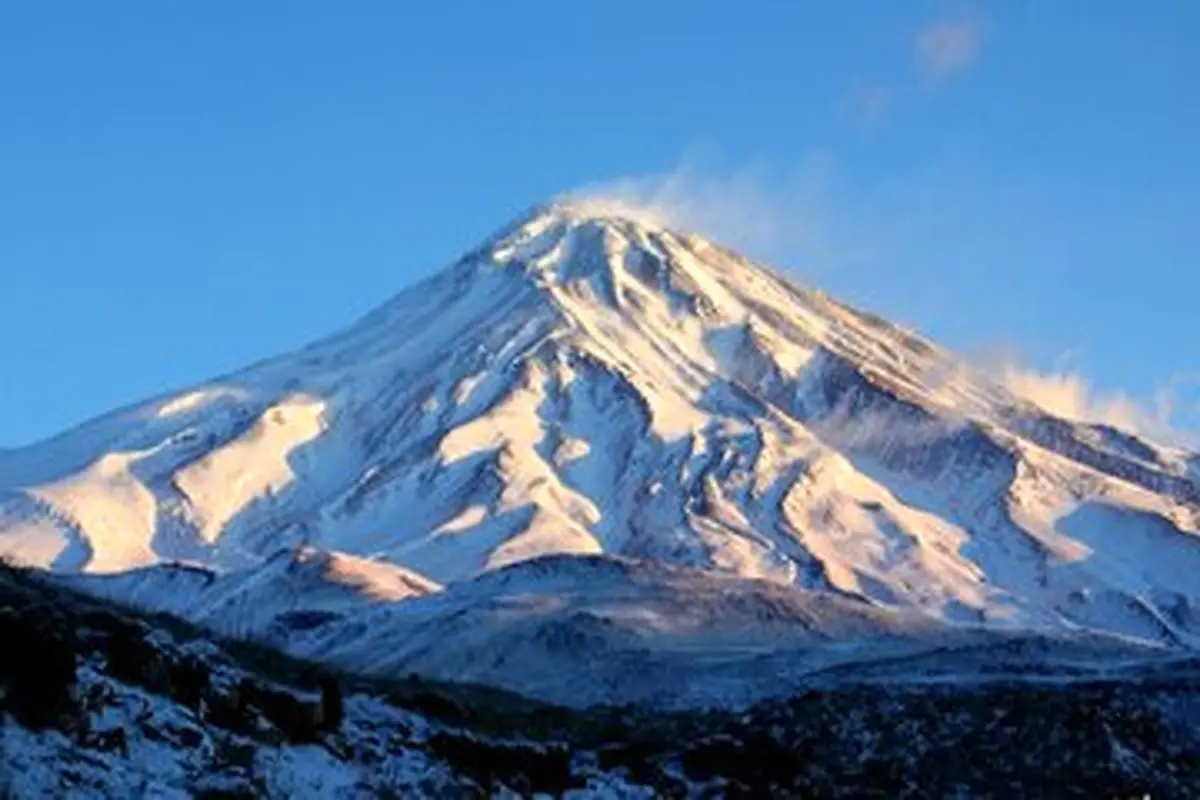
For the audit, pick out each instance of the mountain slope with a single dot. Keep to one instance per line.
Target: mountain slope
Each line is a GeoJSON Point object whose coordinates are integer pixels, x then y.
{"type": "Point", "coordinates": [105, 703]}
{"type": "Point", "coordinates": [589, 382]}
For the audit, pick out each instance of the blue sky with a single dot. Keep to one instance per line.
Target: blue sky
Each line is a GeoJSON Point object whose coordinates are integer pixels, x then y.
{"type": "Point", "coordinates": [185, 188]}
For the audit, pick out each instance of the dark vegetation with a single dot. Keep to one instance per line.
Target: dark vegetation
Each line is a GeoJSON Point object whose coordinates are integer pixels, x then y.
{"type": "Point", "coordinates": [37, 670]}
{"type": "Point", "coordinates": [1118, 738]}
{"type": "Point", "coordinates": [523, 768]}
{"type": "Point", "coordinates": [1101, 739]}
{"type": "Point", "coordinates": [47, 632]}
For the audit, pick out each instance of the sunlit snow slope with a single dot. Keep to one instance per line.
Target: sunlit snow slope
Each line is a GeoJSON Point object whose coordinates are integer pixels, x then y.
{"type": "Point", "coordinates": [588, 382]}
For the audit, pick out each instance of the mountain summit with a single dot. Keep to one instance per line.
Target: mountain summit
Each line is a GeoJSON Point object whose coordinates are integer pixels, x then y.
{"type": "Point", "coordinates": [591, 383]}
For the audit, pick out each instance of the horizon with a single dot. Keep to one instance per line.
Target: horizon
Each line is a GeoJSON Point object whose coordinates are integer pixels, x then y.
{"type": "Point", "coordinates": [186, 192]}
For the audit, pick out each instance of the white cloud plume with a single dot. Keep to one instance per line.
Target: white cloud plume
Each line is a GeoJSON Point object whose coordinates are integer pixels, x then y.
{"type": "Point", "coordinates": [1064, 393]}
{"type": "Point", "coordinates": [947, 48]}
{"type": "Point", "coordinates": [768, 214]}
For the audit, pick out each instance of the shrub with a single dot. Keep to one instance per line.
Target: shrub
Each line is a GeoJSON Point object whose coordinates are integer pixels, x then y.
{"type": "Point", "coordinates": [524, 768]}
{"type": "Point", "coordinates": [300, 721]}
{"type": "Point", "coordinates": [37, 670]}
{"type": "Point", "coordinates": [333, 709]}
{"type": "Point", "coordinates": [227, 710]}
{"type": "Point", "coordinates": [132, 659]}
{"type": "Point", "coordinates": [190, 681]}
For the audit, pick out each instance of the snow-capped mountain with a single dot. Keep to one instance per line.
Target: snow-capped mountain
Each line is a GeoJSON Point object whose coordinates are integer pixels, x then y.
{"type": "Point", "coordinates": [589, 382]}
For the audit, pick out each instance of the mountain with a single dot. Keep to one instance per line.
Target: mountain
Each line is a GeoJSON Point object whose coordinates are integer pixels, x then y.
{"type": "Point", "coordinates": [648, 417]}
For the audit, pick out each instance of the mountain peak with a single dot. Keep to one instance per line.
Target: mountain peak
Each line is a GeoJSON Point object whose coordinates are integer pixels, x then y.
{"type": "Point", "coordinates": [591, 380]}
{"type": "Point", "coordinates": [601, 241]}
{"type": "Point", "coordinates": [596, 218]}
{"type": "Point", "coordinates": [602, 209]}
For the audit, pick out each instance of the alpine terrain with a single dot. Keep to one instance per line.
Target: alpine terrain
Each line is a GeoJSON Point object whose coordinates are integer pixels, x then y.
{"type": "Point", "coordinates": [599, 460]}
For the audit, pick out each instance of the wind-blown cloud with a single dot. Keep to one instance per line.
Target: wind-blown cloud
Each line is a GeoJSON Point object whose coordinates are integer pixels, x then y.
{"type": "Point", "coordinates": [768, 214]}
{"type": "Point", "coordinates": [1068, 394]}
{"type": "Point", "coordinates": [947, 48]}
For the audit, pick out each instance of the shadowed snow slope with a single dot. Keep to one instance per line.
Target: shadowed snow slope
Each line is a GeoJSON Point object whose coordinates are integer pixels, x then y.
{"type": "Point", "coordinates": [297, 588]}
{"type": "Point", "coordinates": [586, 630]}
{"type": "Point", "coordinates": [588, 382]}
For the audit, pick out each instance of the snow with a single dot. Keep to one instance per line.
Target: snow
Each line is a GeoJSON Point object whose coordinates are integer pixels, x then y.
{"type": "Point", "coordinates": [1103, 531]}
{"type": "Point", "coordinates": [116, 512]}
{"type": "Point", "coordinates": [191, 401]}
{"type": "Point", "coordinates": [252, 601]}
{"type": "Point", "coordinates": [166, 751]}
{"type": "Point", "coordinates": [253, 466]}
{"type": "Point", "coordinates": [590, 382]}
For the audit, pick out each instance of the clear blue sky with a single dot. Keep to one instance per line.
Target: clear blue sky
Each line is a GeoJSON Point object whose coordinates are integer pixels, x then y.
{"type": "Point", "coordinates": [187, 187]}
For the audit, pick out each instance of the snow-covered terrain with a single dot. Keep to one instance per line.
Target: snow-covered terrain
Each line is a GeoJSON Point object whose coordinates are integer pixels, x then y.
{"type": "Point", "coordinates": [600, 630]}
{"type": "Point", "coordinates": [588, 382]}
{"type": "Point", "coordinates": [105, 703]}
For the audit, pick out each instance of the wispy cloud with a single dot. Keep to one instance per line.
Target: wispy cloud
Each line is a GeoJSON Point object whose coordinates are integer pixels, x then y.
{"type": "Point", "coordinates": [770, 214]}
{"type": "Point", "coordinates": [940, 51]}
{"type": "Point", "coordinates": [870, 103]}
{"type": "Point", "coordinates": [947, 48]}
{"type": "Point", "coordinates": [1165, 416]}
